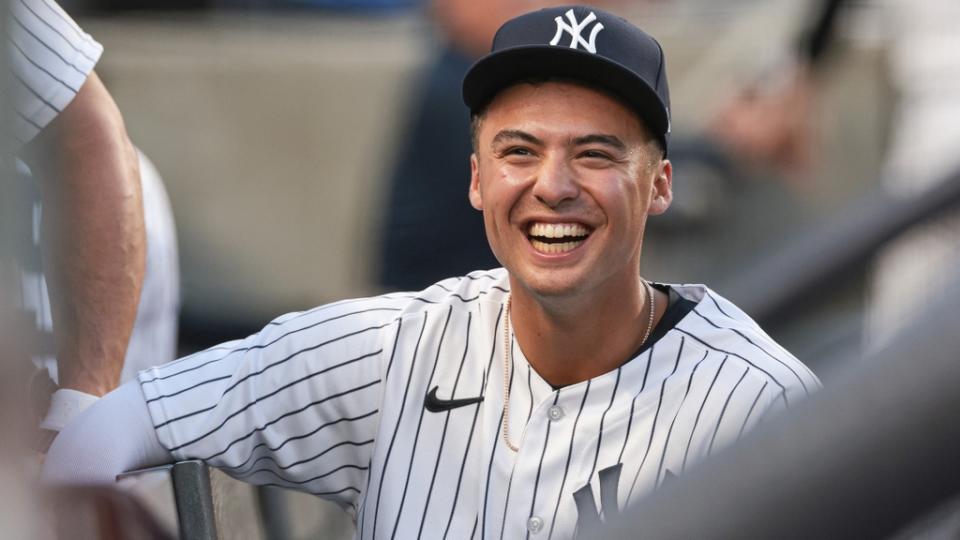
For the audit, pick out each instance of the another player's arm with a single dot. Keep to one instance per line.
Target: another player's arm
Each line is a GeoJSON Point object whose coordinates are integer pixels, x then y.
{"type": "Point", "coordinates": [93, 236]}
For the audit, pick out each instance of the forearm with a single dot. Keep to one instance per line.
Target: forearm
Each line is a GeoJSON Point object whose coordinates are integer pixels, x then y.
{"type": "Point", "coordinates": [93, 236]}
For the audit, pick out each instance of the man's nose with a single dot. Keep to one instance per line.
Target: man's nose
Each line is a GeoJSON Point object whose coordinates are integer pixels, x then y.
{"type": "Point", "coordinates": [555, 182]}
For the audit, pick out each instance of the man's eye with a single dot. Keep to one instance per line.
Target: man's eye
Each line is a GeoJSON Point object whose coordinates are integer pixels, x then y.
{"type": "Point", "coordinates": [518, 151]}
{"type": "Point", "coordinates": [596, 154]}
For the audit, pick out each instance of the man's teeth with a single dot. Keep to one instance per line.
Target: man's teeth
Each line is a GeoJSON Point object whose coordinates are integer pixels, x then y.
{"type": "Point", "coordinates": [561, 247]}
{"type": "Point", "coordinates": [556, 237]}
{"type": "Point", "coordinates": [557, 230]}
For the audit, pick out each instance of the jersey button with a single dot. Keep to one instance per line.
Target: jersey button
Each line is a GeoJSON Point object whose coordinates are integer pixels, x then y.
{"type": "Point", "coordinates": [555, 413]}
{"type": "Point", "coordinates": [535, 524]}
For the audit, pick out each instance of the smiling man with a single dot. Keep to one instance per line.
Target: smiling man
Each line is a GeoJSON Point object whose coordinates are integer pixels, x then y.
{"type": "Point", "coordinates": [531, 400]}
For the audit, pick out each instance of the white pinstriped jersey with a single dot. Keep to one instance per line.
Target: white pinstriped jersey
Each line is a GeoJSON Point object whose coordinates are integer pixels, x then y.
{"type": "Point", "coordinates": [50, 58]}
{"type": "Point", "coordinates": [331, 401]}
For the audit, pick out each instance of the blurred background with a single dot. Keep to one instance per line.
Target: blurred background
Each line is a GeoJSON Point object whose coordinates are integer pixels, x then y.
{"type": "Point", "coordinates": [315, 150]}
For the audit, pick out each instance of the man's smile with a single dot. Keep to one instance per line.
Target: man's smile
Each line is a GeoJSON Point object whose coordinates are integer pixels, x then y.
{"type": "Point", "coordinates": [555, 238]}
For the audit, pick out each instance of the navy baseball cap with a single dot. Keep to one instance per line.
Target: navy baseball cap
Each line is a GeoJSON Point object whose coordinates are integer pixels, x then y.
{"type": "Point", "coordinates": [581, 43]}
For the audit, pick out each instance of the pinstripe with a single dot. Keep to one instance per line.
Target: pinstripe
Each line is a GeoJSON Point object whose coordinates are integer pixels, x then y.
{"type": "Point", "coordinates": [284, 387]}
{"type": "Point", "coordinates": [457, 295]}
{"type": "Point", "coordinates": [751, 342]}
{"type": "Point", "coordinates": [308, 460]}
{"type": "Point", "coordinates": [265, 346]}
{"type": "Point", "coordinates": [529, 386]}
{"type": "Point", "coordinates": [290, 482]}
{"type": "Point", "coordinates": [416, 438]}
{"type": "Point", "coordinates": [446, 421]}
{"type": "Point", "coordinates": [199, 384]}
{"type": "Point", "coordinates": [282, 444]}
{"type": "Point", "coordinates": [696, 421]}
{"type": "Point", "coordinates": [46, 46]}
{"type": "Point", "coordinates": [723, 410]}
{"type": "Point", "coordinates": [317, 493]}
{"type": "Point", "coordinates": [29, 121]}
{"type": "Point", "coordinates": [653, 426]}
{"type": "Point", "coordinates": [40, 67]}
{"type": "Point", "coordinates": [317, 310]}
{"type": "Point", "coordinates": [257, 400]}
{"type": "Point", "coordinates": [566, 468]}
{"type": "Point", "coordinates": [506, 501]}
{"type": "Point", "coordinates": [633, 402]}
{"type": "Point", "coordinates": [393, 352]}
{"type": "Point", "coordinates": [186, 358]}
{"type": "Point", "coordinates": [477, 275]}
{"type": "Point", "coordinates": [536, 482]}
{"type": "Point", "coordinates": [476, 413]}
{"type": "Point", "coordinates": [366, 497]}
{"type": "Point", "coordinates": [494, 445]}
{"type": "Point", "coordinates": [666, 444]}
{"type": "Point", "coordinates": [396, 428]}
{"type": "Point", "coordinates": [66, 21]}
{"type": "Point", "coordinates": [30, 89]}
{"type": "Point", "coordinates": [713, 299]}
{"type": "Point", "coordinates": [286, 359]}
{"type": "Point", "coordinates": [717, 305]}
{"type": "Point", "coordinates": [67, 40]}
{"type": "Point", "coordinates": [735, 355]}
{"type": "Point", "coordinates": [750, 412]}
{"type": "Point", "coordinates": [603, 417]}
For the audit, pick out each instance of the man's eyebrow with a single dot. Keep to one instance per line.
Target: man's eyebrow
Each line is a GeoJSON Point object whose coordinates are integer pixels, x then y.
{"type": "Point", "coordinates": [609, 140]}
{"type": "Point", "coordinates": [514, 134]}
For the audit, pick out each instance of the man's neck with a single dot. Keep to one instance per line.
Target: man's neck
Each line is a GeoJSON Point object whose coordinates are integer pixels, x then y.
{"type": "Point", "coordinates": [569, 340]}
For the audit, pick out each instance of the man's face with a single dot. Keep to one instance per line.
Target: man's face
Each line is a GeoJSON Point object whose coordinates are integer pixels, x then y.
{"type": "Point", "coordinates": [566, 177]}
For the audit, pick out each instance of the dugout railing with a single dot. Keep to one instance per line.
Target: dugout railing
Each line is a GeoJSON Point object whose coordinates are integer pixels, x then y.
{"type": "Point", "coordinates": [774, 287]}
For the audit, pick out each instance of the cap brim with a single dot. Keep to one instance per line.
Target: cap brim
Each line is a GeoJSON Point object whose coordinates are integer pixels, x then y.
{"type": "Point", "coordinates": [501, 69]}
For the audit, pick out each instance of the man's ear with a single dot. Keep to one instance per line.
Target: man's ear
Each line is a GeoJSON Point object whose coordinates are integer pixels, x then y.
{"type": "Point", "coordinates": [662, 188]}
{"type": "Point", "coordinates": [476, 198]}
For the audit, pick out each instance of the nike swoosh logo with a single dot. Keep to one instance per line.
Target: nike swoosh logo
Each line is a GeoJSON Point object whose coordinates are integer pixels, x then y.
{"type": "Point", "coordinates": [435, 404]}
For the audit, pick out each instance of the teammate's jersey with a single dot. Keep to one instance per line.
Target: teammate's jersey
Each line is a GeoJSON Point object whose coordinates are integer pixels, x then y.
{"type": "Point", "coordinates": [50, 58]}
{"type": "Point", "coordinates": [333, 401]}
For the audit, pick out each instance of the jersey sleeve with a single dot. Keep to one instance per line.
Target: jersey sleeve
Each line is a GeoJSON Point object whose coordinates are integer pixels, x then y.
{"type": "Point", "coordinates": [50, 59]}
{"type": "Point", "coordinates": [296, 405]}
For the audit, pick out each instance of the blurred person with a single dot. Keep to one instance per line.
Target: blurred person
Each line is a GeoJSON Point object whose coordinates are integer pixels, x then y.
{"type": "Point", "coordinates": [532, 398]}
{"type": "Point", "coordinates": [434, 153]}
{"type": "Point", "coordinates": [88, 221]}
{"type": "Point", "coordinates": [774, 126]}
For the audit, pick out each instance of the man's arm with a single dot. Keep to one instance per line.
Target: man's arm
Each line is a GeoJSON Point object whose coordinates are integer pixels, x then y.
{"type": "Point", "coordinates": [93, 236]}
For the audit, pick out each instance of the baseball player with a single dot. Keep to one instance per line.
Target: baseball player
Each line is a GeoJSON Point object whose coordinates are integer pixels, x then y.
{"type": "Point", "coordinates": [529, 401]}
{"type": "Point", "coordinates": [89, 179]}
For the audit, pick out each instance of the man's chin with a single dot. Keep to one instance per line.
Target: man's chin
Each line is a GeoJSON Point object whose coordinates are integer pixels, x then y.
{"type": "Point", "coordinates": [547, 284]}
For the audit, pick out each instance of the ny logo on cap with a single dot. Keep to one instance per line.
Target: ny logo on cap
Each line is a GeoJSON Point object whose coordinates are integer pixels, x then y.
{"type": "Point", "coordinates": [575, 28]}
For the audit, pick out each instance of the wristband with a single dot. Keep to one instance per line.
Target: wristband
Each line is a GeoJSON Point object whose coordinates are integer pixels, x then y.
{"type": "Point", "coordinates": [66, 404]}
